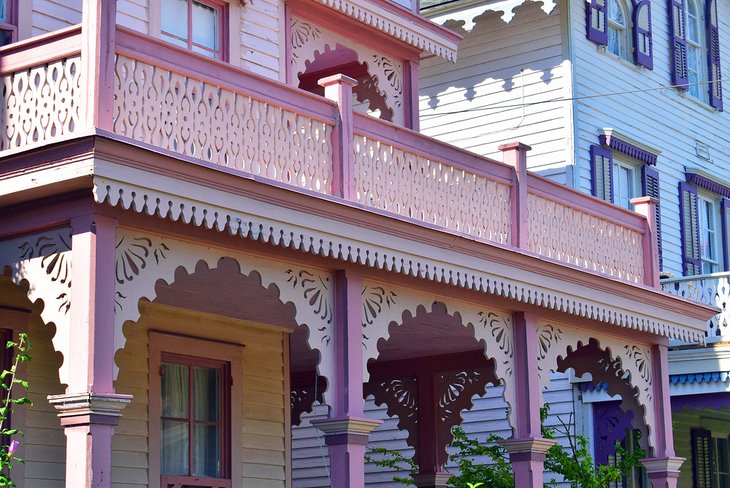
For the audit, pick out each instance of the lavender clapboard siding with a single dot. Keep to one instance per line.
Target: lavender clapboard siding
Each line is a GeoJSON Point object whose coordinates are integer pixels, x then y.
{"type": "Point", "coordinates": [50, 15]}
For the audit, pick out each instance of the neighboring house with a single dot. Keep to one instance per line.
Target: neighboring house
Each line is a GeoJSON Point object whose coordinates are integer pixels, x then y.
{"type": "Point", "coordinates": [202, 247]}
{"type": "Point", "coordinates": [618, 99]}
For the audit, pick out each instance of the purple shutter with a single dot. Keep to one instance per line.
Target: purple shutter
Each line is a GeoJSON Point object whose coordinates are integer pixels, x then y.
{"type": "Point", "coordinates": [713, 55]}
{"type": "Point", "coordinates": [643, 48]}
{"type": "Point", "coordinates": [610, 426]}
{"type": "Point", "coordinates": [702, 458]}
{"type": "Point", "coordinates": [596, 27]}
{"type": "Point", "coordinates": [690, 225]}
{"type": "Point", "coordinates": [679, 43]}
{"type": "Point", "coordinates": [650, 188]}
{"type": "Point", "coordinates": [725, 216]}
{"type": "Point", "coordinates": [602, 172]}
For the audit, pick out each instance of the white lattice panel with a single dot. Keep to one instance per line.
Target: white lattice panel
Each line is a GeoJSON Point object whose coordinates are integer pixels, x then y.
{"type": "Point", "coordinates": [198, 119]}
{"type": "Point", "coordinates": [570, 235]}
{"type": "Point", "coordinates": [40, 104]}
{"type": "Point", "coordinates": [391, 179]}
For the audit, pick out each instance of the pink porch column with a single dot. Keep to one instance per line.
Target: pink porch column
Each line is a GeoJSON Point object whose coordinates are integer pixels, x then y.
{"type": "Point", "coordinates": [647, 206]}
{"type": "Point", "coordinates": [98, 21]}
{"type": "Point", "coordinates": [346, 432]}
{"type": "Point", "coordinates": [90, 408]}
{"type": "Point", "coordinates": [338, 88]}
{"type": "Point", "coordinates": [663, 466]}
{"type": "Point", "coordinates": [527, 448]}
{"type": "Point", "coordinates": [515, 154]}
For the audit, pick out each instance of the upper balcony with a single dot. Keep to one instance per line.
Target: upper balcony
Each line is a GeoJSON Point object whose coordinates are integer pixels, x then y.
{"type": "Point", "coordinates": [154, 95]}
{"type": "Point", "coordinates": [711, 289]}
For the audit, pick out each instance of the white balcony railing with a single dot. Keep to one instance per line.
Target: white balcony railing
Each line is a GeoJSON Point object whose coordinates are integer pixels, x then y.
{"type": "Point", "coordinates": [712, 289]}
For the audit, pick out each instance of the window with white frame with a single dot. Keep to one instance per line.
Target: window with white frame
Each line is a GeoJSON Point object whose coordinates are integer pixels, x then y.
{"type": "Point", "coordinates": [626, 182]}
{"type": "Point", "coordinates": [198, 25]}
{"type": "Point", "coordinates": [696, 60]}
{"type": "Point", "coordinates": [619, 40]}
{"type": "Point", "coordinates": [710, 242]}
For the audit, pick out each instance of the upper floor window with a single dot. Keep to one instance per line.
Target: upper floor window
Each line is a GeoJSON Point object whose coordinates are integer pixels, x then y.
{"type": "Point", "coordinates": [695, 50]}
{"type": "Point", "coordinates": [8, 30]}
{"type": "Point", "coordinates": [196, 25]}
{"type": "Point", "coordinates": [626, 183]}
{"type": "Point", "coordinates": [618, 29]}
{"type": "Point", "coordinates": [709, 225]}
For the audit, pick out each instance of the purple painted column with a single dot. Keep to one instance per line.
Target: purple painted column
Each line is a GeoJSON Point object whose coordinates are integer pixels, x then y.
{"type": "Point", "coordinates": [527, 447]}
{"type": "Point", "coordinates": [338, 88]}
{"type": "Point", "coordinates": [98, 20]}
{"type": "Point", "coordinates": [663, 466]}
{"type": "Point", "coordinates": [647, 206]}
{"type": "Point", "coordinates": [515, 154]}
{"type": "Point", "coordinates": [89, 409]}
{"type": "Point", "coordinates": [346, 432]}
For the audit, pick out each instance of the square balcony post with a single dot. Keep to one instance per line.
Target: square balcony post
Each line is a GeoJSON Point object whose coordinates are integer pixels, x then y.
{"type": "Point", "coordinates": [515, 155]}
{"type": "Point", "coordinates": [647, 206]}
{"type": "Point", "coordinates": [338, 88]}
{"type": "Point", "coordinates": [98, 29]}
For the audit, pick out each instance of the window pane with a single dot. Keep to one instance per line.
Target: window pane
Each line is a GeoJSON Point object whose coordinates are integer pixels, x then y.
{"type": "Point", "coordinates": [206, 451]}
{"type": "Point", "coordinates": [175, 444]}
{"type": "Point", "coordinates": [206, 390]}
{"type": "Point", "coordinates": [723, 456]}
{"type": "Point", "coordinates": [205, 26]}
{"type": "Point", "coordinates": [175, 18]}
{"type": "Point", "coordinates": [4, 11]}
{"type": "Point", "coordinates": [175, 390]}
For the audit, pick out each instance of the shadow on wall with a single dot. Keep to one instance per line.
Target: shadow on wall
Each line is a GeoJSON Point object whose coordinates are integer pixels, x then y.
{"type": "Point", "coordinates": [496, 50]}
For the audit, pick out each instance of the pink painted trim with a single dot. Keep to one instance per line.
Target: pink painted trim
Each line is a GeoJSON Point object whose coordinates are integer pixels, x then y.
{"type": "Point", "coordinates": [562, 194]}
{"type": "Point", "coordinates": [527, 389]}
{"type": "Point", "coordinates": [411, 106]}
{"type": "Point", "coordinates": [662, 404]}
{"type": "Point", "coordinates": [515, 155]}
{"type": "Point", "coordinates": [98, 21]}
{"type": "Point", "coordinates": [160, 53]}
{"type": "Point", "coordinates": [338, 88]}
{"type": "Point", "coordinates": [647, 206]}
{"type": "Point", "coordinates": [417, 143]}
{"type": "Point", "coordinates": [40, 50]}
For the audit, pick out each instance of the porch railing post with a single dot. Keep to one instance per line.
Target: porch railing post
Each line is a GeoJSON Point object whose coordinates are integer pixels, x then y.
{"type": "Point", "coordinates": [647, 206]}
{"type": "Point", "coordinates": [515, 154]}
{"type": "Point", "coordinates": [338, 88]}
{"type": "Point", "coordinates": [98, 30]}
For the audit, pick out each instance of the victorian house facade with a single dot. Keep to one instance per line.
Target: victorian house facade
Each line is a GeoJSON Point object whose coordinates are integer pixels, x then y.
{"type": "Point", "coordinates": [216, 214]}
{"type": "Point", "coordinates": [619, 100]}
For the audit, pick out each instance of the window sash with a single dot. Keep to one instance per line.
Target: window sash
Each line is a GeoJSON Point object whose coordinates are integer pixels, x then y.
{"type": "Point", "coordinates": [710, 244]}
{"type": "Point", "coordinates": [193, 35]}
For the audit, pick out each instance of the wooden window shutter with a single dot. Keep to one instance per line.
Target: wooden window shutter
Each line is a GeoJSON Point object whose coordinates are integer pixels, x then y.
{"type": "Point", "coordinates": [690, 225]}
{"type": "Point", "coordinates": [678, 21]}
{"type": "Point", "coordinates": [725, 216]}
{"type": "Point", "coordinates": [713, 55]}
{"type": "Point", "coordinates": [650, 188]}
{"type": "Point", "coordinates": [702, 458]}
{"type": "Point", "coordinates": [643, 49]}
{"type": "Point", "coordinates": [596, 17]}
{"type": "Point", "coordinates": [602, 172]}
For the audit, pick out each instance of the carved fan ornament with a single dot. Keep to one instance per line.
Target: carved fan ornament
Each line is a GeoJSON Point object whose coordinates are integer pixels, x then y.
{"type": "Point", "coordinates": [134, 255]}
{"type": "Point", "coordinates": [400, 396]}
{"type": "Point", "coordinates": [54, 260]}
{"type": "Point", "coordinates": [315, 290]}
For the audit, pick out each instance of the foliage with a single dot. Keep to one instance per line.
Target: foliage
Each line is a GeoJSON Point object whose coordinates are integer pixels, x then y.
{"type": "Point", "coordinates": [8, 380]}
{"type": "Point", "coordinates": [575, 463]}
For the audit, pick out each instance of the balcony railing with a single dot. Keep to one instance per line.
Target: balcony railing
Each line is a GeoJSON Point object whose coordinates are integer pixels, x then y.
{"type": "Point", "coordinates": [205, 110]}
{"type": "Point", "coordinates": [712, 289]}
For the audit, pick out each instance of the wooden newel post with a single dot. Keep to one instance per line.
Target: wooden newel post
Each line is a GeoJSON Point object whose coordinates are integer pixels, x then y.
{"type": "Point", "coordinates": [647, 206]}
{"type": "Point", "coordinates": [515, 154]}
{"type": "Point", "coordinates": [98, 45]}
{"type": "Point", "coordinates": [338, 88]}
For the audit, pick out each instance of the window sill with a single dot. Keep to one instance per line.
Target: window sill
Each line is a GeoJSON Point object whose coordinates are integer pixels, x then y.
{"type": "Point", "coordinates": [684, 94]}
{"type": "Point", "coordinates": [605, 52]}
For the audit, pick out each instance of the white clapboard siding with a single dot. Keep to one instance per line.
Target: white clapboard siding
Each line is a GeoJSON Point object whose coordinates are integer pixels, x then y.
{"type": "Point", "coordinates": [476, 103]}
{"type": "Point", "coordinates": [663, 119]}
{"type": "Point", "coordinates": [134, 14]}
{"type": "Point", "coordinates": [261, 38]}
{"type": "Point", "coordinates": [50, 15]}
{"type": "Point", "coordinates": [309, 454]}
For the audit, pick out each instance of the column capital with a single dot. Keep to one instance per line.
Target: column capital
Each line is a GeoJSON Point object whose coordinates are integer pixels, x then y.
{"type": "Point", "coordinates": [665, 466]}
{"type": "Point", "coordinates": [76, 409]}
{"type": "Point", "coordinates": [536, 445]}
{"type": "Point", "coordinates": [347, 426]}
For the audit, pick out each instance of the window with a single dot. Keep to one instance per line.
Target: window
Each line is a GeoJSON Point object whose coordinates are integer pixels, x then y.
{"type": "Point", "coordinates": [618, 29]}
{"type": "Point", "coordinates": [196, 25]}
{"type": "Point", "coordinates": [626, 183]}
{"type": "Point", "coordinates": [614, 24]}
{"type": "Point", "coordinates": [710, 460]}
{"type": "Point", "coordinates": [194, 435]}
{"type": "Point", "coordinates": [705, 222]}
{"type": "Point", "coordinates": [696, 49]}
{"type": "Point", "coordinates": [8, 30]}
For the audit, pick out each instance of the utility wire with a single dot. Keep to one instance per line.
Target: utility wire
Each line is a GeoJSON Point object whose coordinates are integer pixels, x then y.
{"type": "Point", "coordinates": [497, 106]}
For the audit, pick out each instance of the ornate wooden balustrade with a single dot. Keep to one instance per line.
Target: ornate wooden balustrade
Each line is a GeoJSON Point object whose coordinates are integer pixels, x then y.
{"type": "Point", "coordinates": [711, 289]}
{"type": "Point", "coordinates": [211, 113]}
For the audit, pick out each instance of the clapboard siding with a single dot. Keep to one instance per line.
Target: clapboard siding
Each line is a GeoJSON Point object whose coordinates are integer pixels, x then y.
{"type": "Point", "coordinates": [664, 119]}
{"type": "Point", "coordinates": [263, 450]}
{"type": "Point", "coordinates": [261, 33]}
{"type": "Point", "coordinates": [134, 14]}
{"type": "Point", "coordinates": [50, 15]}
{"type": "Point", "coordinates": [309, 454]}
{"type": "Point", "coordinates": [477, 102]}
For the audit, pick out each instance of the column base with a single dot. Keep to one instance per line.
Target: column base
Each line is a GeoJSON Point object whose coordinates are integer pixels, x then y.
{"type": "Point", "coordinates": [431, 480]}
{"type": "Point", "coordinates": [663, 472]}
